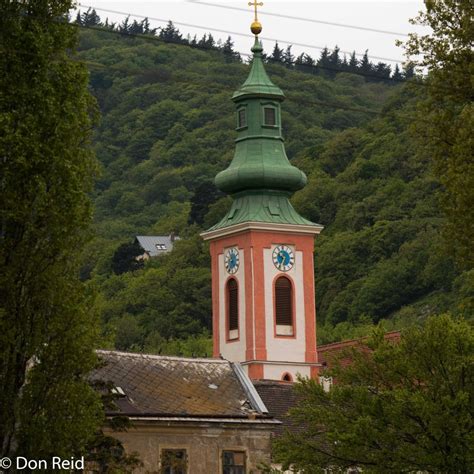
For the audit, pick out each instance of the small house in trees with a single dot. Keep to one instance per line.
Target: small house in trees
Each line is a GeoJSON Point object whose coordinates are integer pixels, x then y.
{"type": "Point", "coordinates": [155, 245]}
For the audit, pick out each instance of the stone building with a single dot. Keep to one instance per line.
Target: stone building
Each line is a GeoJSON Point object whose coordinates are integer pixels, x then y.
{"type": "Point", "coordinates": [188, 415]}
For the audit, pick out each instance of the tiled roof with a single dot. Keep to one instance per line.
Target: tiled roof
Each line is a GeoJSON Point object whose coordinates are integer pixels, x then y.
{"type": "Point", "coordinates": [152, 385]}
{"type": "Point", "coordinates": [156, 245]}
{"type": "Point", "coordinates": [279, 398]}
{"type": "Point", "coordinates": [336, 350]}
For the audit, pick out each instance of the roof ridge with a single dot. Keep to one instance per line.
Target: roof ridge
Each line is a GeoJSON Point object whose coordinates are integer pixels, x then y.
{"type": "Point", "coordinates": [164, 235]}
{"type": "Point", "coordinates": [162, 357]}
{"type": "Point", "coordinates": [361, 340]}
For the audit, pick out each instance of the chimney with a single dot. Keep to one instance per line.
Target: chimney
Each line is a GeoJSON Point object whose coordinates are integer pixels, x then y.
{"type": "Point", "coordinates": [172, 237]}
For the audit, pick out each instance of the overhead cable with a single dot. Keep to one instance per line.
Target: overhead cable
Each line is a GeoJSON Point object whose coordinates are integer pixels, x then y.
{"type": "Point", "coordinates": [300, 18]}
{"type": "Point", "coordinates": [235, 33]}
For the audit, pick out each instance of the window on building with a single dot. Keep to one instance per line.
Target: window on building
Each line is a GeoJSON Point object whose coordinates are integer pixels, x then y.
{"type": "Point", "coordinates": [287, 377]}
{"type": "Point", "coordinates": [284, 307]}
{"type": "Point", "coordinates": [269, 114]}
{"type": "Point", "coordinates": [174, 461]}
{"type": "Point", "coordinates": [233, 308]}
{"type": "Point", "coordinates": [160, 246]}
{"type": "Point", "coordinates": [241, 118]}
{"type": "Point", "coordinates": [233, 462]}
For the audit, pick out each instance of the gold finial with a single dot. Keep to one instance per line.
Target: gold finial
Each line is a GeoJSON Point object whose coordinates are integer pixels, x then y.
{"type": "Point", "coordinates": [256, 26]}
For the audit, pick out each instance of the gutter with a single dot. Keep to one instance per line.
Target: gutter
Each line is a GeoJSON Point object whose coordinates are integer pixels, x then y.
{"type": "Point", "coordinates": [249, 389]}
{"type": "Point", "coordinates": [178, 419]}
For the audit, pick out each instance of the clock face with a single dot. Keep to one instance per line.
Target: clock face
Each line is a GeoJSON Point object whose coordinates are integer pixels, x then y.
{"type": "Point", "coordinates": [232, 260]}
{"type": "Point", "coordinates": [283, 258]}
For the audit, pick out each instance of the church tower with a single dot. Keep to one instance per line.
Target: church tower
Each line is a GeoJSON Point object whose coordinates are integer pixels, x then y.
{"type": "Point", "coordinates": [263, 300]}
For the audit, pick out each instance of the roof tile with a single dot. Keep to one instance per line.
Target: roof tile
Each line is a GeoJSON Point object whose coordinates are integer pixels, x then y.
{"type": "Point", "coordinates": [174, 386]}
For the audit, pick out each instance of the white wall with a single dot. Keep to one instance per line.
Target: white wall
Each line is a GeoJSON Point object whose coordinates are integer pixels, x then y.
{"type": "Point", "coordinates": [283, 348]}
{"type": "Point", "coordinates": [233, 351]}
{"type": "Point", "coordinates": [275, 372]}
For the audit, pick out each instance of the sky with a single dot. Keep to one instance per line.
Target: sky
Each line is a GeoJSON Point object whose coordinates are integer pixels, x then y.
{"type": "Point", "coordinates": [305, 30]}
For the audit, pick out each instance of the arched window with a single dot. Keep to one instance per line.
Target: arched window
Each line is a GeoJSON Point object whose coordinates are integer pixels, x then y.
{"type": "Point", "coordinates": [233, 308]}
{"type": "Point", "coordinates": [287, 377]}
{"type": "Point", "coordinates": [284, 307]}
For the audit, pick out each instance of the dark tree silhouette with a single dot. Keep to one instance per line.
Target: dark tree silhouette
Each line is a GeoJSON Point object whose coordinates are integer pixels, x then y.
{"type": "Point", "coordinates": [277, 54]}
{"type": "Point", "coordinates": [125, 258]}
{"type": "Point", "coordinates": [205, 195]}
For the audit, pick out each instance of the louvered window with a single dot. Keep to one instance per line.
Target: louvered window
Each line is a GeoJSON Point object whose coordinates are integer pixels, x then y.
{"type": "Point", "coordinates": [284, 306]}
{"type": "Point", "coordinates": [233, 307]}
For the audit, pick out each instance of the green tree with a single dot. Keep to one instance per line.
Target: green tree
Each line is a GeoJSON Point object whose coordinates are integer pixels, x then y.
{"type": "Point", "coordinates": [288, 57]}
{"type": "Point", "coordinates": [228, 51]}
{"type": "Point", "coordinates": [125, 258]}
{"type": "Point", "coordinates": [365, 65]}
{"type": "Point", "coordinates": [205, 195]}
{"type": "Point", "coordinates": [277, 54]}
{"type": "Point", "coordinates": [399, 407]}
{"type": "Point", "coordinates": [447, 115]}
{"type": "Point", "coordinates": [47, 333]}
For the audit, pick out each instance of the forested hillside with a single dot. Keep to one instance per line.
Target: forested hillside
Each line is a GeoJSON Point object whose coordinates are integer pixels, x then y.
{"type": "Point", "coordinates": [167, 128]}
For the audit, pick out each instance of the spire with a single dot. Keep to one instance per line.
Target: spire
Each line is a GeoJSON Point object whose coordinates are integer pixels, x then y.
{"type": "Point", "coordinates": [260, 177]}
{"type": "Point", "coordinates": [258, 82]}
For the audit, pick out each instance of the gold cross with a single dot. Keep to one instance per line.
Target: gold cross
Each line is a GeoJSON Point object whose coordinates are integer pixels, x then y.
{"type": "Point", "coordinates": [255, 4]}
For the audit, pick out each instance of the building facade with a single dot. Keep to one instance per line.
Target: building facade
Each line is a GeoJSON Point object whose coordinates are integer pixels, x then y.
{"type": "Point", "coordinates": [187, 415]}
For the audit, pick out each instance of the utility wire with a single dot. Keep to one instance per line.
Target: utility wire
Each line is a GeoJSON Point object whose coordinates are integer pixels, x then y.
{"type": "Point", "coordinates": [235, 33]}
{"type": "Point", "coordinates": [299, 66]}
{"type": "Point", "coordinates": [300, 18]}
{"type": "Point", "coordinates": [313, 67]}
{"type": "Point", "coordinates": [332, 105]}
{"type": "Point", "coordinates": [149, 37]}
{"type": "Point", "coordinates": [138, 72]}
{"type": "Point", "coordinates": [322, 103]}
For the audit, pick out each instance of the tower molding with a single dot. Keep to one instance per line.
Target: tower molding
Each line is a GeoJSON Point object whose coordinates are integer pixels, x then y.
{"type": "Point", "coordinates": [314, 229]}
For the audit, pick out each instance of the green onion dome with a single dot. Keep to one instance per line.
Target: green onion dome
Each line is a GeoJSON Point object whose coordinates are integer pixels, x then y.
{"type": "Point", "coordinates": [260, 161]}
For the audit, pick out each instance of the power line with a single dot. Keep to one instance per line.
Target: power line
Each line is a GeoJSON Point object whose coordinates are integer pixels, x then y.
{"type": "Point", "coordinates": [313, 67]}
{"type": "Point", "coordinates": [335, 105]}
{"type": "Point", "coordinates": [135, 72]}
{"type": "Point", "coordinates": [299, 18]}
{"type": "Point", "coordinates": [148, 37]}
{"type": "Point", "coordinates": [235, 33]}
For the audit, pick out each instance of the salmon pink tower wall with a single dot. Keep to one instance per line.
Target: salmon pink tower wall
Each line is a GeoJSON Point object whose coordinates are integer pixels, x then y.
{"type": "Point", "coordinates": [264, 352]}
{"type": "Point", "coordinates": [263, 298]}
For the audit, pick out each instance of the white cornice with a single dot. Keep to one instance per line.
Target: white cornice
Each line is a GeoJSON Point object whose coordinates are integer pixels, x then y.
{"type": "Point", "coordinates": [278, 362]}
{"type": "Point", "coordinates": [147, 420]}
{"type": "Point", "coordinates": [263, 226]}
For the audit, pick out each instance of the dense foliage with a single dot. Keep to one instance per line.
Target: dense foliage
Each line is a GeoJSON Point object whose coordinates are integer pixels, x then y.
{"type": "Point", "coordinates": [399, 407]}
{"type": "Point", "coordinates": [168, 128]}
{"type": "Point", "coordinates": [47, 329]}
{"type": "Point", "coordinates": [446, 118]}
